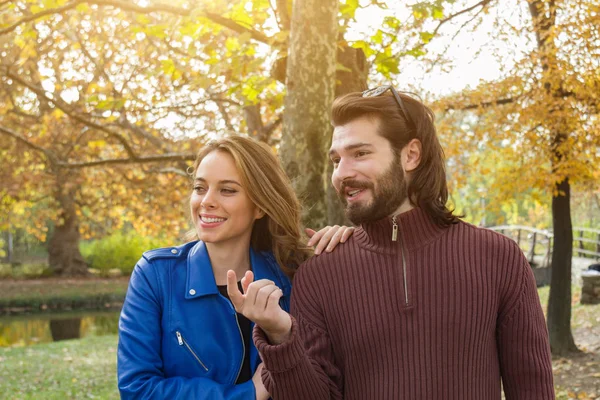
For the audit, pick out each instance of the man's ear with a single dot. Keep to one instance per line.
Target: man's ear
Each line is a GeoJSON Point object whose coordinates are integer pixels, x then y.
{"type": "Point", "coordinates": [411, 155]}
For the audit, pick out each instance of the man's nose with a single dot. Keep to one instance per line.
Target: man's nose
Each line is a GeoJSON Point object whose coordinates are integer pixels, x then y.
{"type": "Point", "coordinates": [343, 171]}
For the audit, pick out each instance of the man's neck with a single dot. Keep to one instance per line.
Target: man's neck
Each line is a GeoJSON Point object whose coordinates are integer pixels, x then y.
{"type": "Point", "coordinates": [404, 207]}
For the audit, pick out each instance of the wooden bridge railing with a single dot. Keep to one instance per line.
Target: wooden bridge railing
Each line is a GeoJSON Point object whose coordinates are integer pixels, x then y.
{"type": "Point", "coordinates": [586, 241]}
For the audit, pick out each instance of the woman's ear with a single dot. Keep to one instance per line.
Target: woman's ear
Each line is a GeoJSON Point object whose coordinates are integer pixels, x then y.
{"type": "Point", "coordinates": [411, 155]}
{"type": "Point", "coordinates": [258, 214]}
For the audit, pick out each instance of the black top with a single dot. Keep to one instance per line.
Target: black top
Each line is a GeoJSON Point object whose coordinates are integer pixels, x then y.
{"type": "Point", "coordinates": [246, 329]}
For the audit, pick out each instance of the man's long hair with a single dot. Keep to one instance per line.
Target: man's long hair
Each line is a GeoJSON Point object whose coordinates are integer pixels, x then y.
{"type": "Point", "coordinates": [427, 188]}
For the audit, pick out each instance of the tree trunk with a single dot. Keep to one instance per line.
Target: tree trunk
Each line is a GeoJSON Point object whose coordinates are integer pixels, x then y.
{"type": "Point", "coordinates": [310, 81]}
{"type": "Point", "coordinates": [543, 14]}
{"type": "Point", "coordinates": [63, 247]}
{"type": "Point", "coordinates": [559, 303]}
{"type": "Point", "coordinates": [64, 329]}
{"type": "Point", "coordinates": [354, 80]}
{"type": "Point", "coordinates": [10, 246]}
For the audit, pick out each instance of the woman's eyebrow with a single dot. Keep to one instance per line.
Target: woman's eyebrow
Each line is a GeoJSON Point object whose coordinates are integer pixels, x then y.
{"type": "Point", "coordinates": [223, 182]}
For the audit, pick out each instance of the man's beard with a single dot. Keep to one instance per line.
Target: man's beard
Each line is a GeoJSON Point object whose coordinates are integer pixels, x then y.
{"type": "Point", "coordinates": [389, 192]}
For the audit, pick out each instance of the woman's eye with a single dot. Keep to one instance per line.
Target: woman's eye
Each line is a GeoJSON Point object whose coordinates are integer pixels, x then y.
{"type": "Point", "coordinates": [199, 189]}
{"type": "Point", "coordinates": [229, 191]}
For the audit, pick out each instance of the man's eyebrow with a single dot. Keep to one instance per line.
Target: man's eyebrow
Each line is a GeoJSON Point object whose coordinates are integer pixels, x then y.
{"type": "Point", "coordinates": [351, 147]}
{"type": "Point", "coordinates": [223, 182]}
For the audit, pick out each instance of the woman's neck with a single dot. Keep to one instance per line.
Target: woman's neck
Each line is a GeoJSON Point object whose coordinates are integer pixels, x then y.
{"type": "Point", "coordinates": [225, 257]}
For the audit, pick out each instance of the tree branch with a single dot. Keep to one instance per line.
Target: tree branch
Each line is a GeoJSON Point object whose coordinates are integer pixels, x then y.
{"type": "Point", "coordinates": [47, 153]}
{"type": "Point", "coordinates": [226, 117]}
{"type": "Point", "coordinates": [283, 13]}
{"type": "Point", "coordinates": [183, 12]}
{"type": "Point", "coordinates": [111, 161]}
{"type": "Point", "coordinates": [481, 4]}
{"type": "Point", "coordinates": [64, 108]}
{"type": "Point", "coordinates": [483, 104]}
{"type": "Point", "coordinates": [41, 14]}
{"type": "Point", "coordinates": [130, 6]}
{"type": "Point", "coordinates": [137, 160]}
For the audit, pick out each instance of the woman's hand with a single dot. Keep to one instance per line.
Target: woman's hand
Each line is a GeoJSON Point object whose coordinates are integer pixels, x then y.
{"type": "Point", "coordinates": [261, 390]}
{"type": "Point", "coordinates": [260, 304]}
{"type": "Point", "coordinates": [329, 237]}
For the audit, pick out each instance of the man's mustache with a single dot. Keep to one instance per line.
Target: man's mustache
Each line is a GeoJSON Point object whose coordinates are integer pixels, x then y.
{"type": "Point", "coordinates": [355, 184]}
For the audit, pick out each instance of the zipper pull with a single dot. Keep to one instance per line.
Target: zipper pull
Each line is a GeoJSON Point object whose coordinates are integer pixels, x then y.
{"type": "Point", "coordinates": [179, 338]}
{"type": "Point", "coordinates": [394, 229]}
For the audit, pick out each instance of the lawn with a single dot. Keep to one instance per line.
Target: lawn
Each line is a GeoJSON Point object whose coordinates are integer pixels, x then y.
{"type": "Point", "coordinates": [85, 368]}
{"type": "Point", "coordinates": [72, 369]}
{"type": "Point", "coordinates": [578, 376]}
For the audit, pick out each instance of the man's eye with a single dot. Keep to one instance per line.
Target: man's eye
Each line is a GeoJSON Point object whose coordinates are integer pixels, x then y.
{"type": "Point", "coordinates": [335, 161]}
{"type": "Point", "coordinates": [361, 153]}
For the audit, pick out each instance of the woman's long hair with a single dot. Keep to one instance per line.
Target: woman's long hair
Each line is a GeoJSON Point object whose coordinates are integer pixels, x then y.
{"type": "Point", "coordinates": [268, 187]}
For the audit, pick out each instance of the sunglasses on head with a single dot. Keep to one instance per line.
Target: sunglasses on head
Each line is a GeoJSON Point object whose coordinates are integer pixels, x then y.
{"type": "Point", "coordinates": [378, 91]}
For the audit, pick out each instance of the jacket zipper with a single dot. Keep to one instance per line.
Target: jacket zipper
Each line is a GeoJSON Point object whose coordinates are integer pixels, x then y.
{"type": "Point", "coordinates": [237, 322]}
{"type": "Point", "coordinates": [181, 341]}
{"type": "Point", "coordinates": [394, 239]}
{"type": "Point", "coordinates": [243, 347]}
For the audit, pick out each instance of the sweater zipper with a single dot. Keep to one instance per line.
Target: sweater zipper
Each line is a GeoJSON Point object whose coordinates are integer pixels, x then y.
{"type": "Point", "coordinates": [181, 341]}
{"type": "Point", "coordinates": [403, 248]}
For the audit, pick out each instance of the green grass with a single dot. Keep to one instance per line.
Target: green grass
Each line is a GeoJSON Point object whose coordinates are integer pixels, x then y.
{"type": "Point", "coordinates": [72, 369]}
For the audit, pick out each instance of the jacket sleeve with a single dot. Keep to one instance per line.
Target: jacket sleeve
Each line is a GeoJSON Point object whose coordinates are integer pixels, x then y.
{"type": "Point", "coordinates": [139, 362]}
{"type": "Point", "coordinates": [304, 366]}
{"type": "Point", "coordinates": [522, 339]}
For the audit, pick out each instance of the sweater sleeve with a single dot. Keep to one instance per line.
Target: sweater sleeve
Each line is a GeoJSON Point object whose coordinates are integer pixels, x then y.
{"type": "Point", "coordinates": [304, 366]}
{"type": "Point", "coordinates": [523, 345]}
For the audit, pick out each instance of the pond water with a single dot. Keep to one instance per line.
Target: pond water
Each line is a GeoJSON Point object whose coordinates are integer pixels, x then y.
{"type": "Point", "coordinates": [32, 329]}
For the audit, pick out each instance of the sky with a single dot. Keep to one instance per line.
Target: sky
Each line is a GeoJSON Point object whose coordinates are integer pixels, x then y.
{"type": "Point", "coordinates": [474, 55]}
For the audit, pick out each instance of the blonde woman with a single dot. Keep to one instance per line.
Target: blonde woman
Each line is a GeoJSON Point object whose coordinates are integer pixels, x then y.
{"type": "Point", "coordinates": [179, 335]}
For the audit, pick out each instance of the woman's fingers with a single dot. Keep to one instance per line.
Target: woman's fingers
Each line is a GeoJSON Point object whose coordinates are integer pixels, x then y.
{"type": "Point", "coordinates": [247, 280]}
{"type": "Point", "coordinates": [315, 237]}
{"type": "Point", "coordinates": [253, 290]}
{"type": "Point", "coordinates": [340, 236]}
{"type": "Point", "coordinates": [236, 297]}
{"type": "Point", "coordinates": [325, 238]}
{"type": "Point", "coordinates": [329, 237]}
{"type": "Point", "coordinates": [347, 233]}
{"type": "Point", "coordinates": [273, 300]}
{"type": "Point", "coordinates": [263, 296]}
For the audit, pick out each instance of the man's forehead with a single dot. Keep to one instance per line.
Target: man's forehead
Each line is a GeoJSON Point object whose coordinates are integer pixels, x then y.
{"type": "Point", "coordinates": [358, 133]}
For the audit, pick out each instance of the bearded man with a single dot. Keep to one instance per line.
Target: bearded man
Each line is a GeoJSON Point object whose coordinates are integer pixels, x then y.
{"type": "Point", "coordinates": [416, 304]}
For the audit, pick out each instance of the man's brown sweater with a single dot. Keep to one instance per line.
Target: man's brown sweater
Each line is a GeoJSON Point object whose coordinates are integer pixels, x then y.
{"type": "Point", "coordinates": [440, 313]}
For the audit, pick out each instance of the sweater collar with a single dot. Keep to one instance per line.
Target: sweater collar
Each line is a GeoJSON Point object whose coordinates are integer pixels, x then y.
{"type": "Point", "coordinates": [415, 229]}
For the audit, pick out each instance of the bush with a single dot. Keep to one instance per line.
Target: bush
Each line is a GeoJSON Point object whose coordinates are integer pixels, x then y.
{"type": "Point", "coordinates": [33, 270]}
{"type": "Point", "coordinates": [24, 270]}
{"type": "Point", "coordinates": [5, 271]}
{"type": "Point", "coordinates": [119, 250]}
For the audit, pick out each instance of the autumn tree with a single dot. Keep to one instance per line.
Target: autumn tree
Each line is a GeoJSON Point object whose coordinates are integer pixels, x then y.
{"type": "Point", "coordinates": [113, 84]}
{"type": "Point", "coordinates": [541, 116]}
